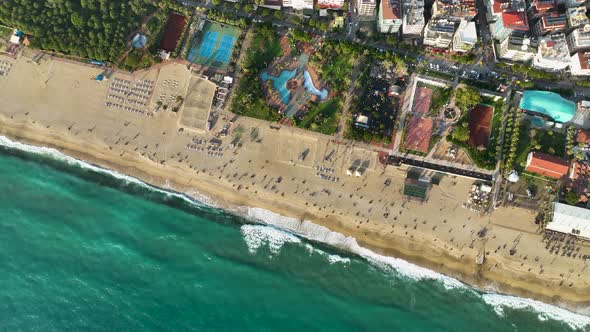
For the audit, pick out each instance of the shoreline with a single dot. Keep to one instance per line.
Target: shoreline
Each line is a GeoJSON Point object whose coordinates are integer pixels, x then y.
{"type": "Point", "coordinates": [236, 205]}
{"type": "Point", "coordinates": [262, 168]}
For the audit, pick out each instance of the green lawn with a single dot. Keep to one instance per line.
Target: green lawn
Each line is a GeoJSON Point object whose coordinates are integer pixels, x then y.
{"type": "Point", "coordinates": [249, 99]}
{"type": "Point", "coordinates": [322, 117]}
{"type": "Point", "coordinates": [5, 32]}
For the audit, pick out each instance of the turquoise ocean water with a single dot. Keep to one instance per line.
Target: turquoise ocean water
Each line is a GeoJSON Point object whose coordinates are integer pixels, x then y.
{"type": "Point", "coordinates": [84, 250]}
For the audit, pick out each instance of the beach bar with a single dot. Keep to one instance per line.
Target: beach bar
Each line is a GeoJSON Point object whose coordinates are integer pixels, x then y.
{"type": "Point", "coordinates": [570, 220]}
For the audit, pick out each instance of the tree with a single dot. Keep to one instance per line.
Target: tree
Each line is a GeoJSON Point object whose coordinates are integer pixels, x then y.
{"type": "Point", "coordinates": [460, 133]}
{"type": "Point", "coordinates": [401, 69]}
{"type": "Point", "coordinates": [572, 198]}
{"type": "Point", "coordinates": [467, 97]}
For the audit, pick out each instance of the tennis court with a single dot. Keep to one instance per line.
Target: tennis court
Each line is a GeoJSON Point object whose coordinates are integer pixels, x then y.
{"type": "Point", "coordinates": [214, 45]}
{"type": "Point", "coordinates": [208, 44]}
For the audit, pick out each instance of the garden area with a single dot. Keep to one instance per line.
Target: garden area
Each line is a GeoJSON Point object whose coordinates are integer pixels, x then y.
{"type": "Point", "coordinates": [440, 97]}
{"type": "Point", "coordinates": [479, 129]}
{"type": "Point", "coordinates": [335, 60]}
{"type": "Point", "coordinates": [321, 117]}
{"type": "Point", "coordinates": [381, 110]}
{"type": "Point", "coordinates": [249, 99]}
{"type": "Point", "coordinates": [546, 141]}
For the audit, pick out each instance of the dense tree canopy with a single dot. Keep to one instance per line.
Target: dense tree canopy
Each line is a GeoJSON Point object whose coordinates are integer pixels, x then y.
{"type": "Point", "coordinates": [96, 29]}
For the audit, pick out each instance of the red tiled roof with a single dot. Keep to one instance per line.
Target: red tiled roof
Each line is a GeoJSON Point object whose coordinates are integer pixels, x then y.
{"type": "Point", "coordinates": [391, 11]}
{"type": "Point", "coordinates": [578, 171]}
{"type": "Point", "coordinates": [480, 120]}
{"type": "Point", "coordinates": [417, 136]}
{"type": "Point", "coordinates": [422, 100]}
{"type": "Point", "coordinates": [498, 6]}
{"type": "Point", "coordinates": [584, 58]}
{"type": "Point", "coordinates": [515, 20]}
{"type": "Point", "coordinates": [541, 6]}
{"type": "Point", "coordinates": [548, 165]}
{"type": "Point", "coordinates": [583, 136]}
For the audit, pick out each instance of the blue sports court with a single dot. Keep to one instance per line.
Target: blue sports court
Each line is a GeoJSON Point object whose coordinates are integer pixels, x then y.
{"type": "Point", "coordinates": [214, 45]}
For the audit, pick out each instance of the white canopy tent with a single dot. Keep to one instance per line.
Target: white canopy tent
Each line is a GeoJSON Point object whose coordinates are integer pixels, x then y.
{"type": "Point", "coordinates": [570, 220]}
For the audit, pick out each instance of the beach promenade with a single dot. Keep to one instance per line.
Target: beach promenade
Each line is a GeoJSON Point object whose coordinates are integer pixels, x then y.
{"type": "Point", "coordinates": [60, 105]}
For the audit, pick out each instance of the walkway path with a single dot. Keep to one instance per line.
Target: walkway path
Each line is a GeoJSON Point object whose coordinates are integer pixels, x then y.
{"type": "Point", "coordinates": [349, 98]}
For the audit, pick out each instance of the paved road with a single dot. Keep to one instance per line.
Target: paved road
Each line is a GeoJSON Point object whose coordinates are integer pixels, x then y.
{"type": "Point", "coordinates": [445, 65]}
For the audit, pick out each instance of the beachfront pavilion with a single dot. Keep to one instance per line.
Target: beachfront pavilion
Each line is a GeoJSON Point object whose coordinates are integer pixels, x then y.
{"type": "Point", "coordinates": [416, 189]}
{"type": "Point", "coordinates": [571, 220]}
{"type": "Point", "coordinates": [548, 104]}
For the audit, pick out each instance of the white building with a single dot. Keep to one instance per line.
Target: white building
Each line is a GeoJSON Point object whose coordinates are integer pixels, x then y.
{"type": "Point", "coordinates": [439, 33]}
{"type": "Point", "coordinates": [412, 17]}
{"type": "Point", "coordinates": [576, 17]}
{"type": "Point", "coordinates": [298, 4]}
{"type": "Point", "coordinates": [552, 53]}
{"type": "Point", "coordinates": [465, 37]}
{"type": "Point", "coordinates": [15, 38]}
{"type": "Point", "coordinates": [579, 39]}
{"type": "Point", "coordinates": [366, 8]}
{"type": "Point", "coordinates": [517, 47]}
{"type": "Point", "coordinates": [272, 4]}
{"type": "Point", "coordinates": [454, 10]}
{"type": "Point", "coordinates": [571, 3]}
{"type": "Point", "coordinates": [570, 220]}
{"type": "Point", "coordinates": [330, 4]}
{"type": "Point", "coordinates": [580, 64]}
{"type": "Point", "coordinates": [389, 20]}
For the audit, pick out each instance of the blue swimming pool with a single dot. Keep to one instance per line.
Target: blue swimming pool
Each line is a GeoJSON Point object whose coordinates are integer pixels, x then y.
{"type": "Point", "coordinates": [280, 84]}
{"type": "Point", "coordinates": [548, 103]}
{"type": "Point", "coordinates": [308, 83]}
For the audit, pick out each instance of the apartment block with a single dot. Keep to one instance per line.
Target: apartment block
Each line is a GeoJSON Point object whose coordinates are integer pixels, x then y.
{"type": "Point", "coordinates": [366, 9]}
{"type": "Point", "coordinates": [552, 54]}
{"type": "Point", "coordinates": [506, 16]}
{"type": "Point", "coordinates": [439, 33]}
{"type": "Point", "coordinates": [412, 17]}
{"type": "Point", "coordinates": [454, 10]}
{"type": "Point", "coordinates": [576, 17]}
{"type": "Point", "coordinates": [517, 47]}
{"type": "Point", "coordinates": [579, 39]}
{"type": "Point", "coordinates": [465, 37]}
{"type": "Point", "coordinates": [330, 4]}
{"type": "Point", "coordinates": [389, 18]}
{"type": "Point", "coordinates": [298, 4]}
{"type": "Point", "coordinates": [550, 22]}
{"type": "Point", "coordinates": [580, 63]}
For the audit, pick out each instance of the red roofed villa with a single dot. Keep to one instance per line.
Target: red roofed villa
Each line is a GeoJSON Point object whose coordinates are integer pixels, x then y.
{"type": "Point", "coordinates": [547, 165]}
{"type": "Point", "coordinates": [480, 120]}
{"type": "Point", "coordinates": [417, 137]}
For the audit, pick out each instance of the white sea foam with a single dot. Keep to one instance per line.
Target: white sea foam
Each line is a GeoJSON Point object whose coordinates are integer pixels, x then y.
{"type": "Point", "coordinates": [257, 236]}
{"type": "Point", "coordinates": [544, 311]}
{"type": "Point", "coordinates": [497, 301]}
{"type": "Point", "coordinates": [322, 234]}
{"type": "Point", "coordinates": [199, 199]}
{"type": "Point", "coordinates": [333, 259]}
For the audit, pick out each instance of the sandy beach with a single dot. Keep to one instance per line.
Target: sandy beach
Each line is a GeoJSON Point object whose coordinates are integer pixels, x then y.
{"type": "Point", "coordinates": [58, 104]}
